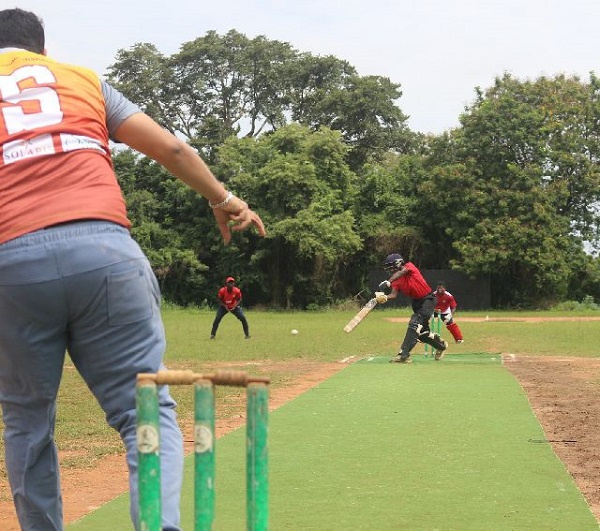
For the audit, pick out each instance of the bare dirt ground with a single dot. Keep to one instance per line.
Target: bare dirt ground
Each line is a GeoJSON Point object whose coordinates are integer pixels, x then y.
{"type": "Point", "coordinates": [564, 394]}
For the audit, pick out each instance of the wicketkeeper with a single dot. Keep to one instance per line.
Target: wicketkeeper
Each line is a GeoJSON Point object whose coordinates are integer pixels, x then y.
{"type": "Point", "coordinates": [445, 307]}
{"type": "Point", "coordinates": [408, 280]}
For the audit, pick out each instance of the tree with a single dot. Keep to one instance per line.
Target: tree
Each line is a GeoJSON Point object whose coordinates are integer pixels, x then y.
{"type": "Point", "coordinates": [384, 207]}
{"type": "Point", "coordinates": [299, 181]}
{"type": "Point", "coordinates": [217, 86]}
{"type": "Point", "coordinates": [144, 76]}
{"type": "Point", "coordinates": [516, 193]}
{"type": "Point", "coordinates": [328, 92]}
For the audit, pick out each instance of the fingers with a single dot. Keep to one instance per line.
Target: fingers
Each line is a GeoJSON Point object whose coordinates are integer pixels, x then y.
{"type": "Point", "coordinates": [222, 218]}
{"type": "Point", "coordinates": [237, 216]}
{"type": "Point", "coordinates": [243, 217]}
{"type": "Point", "coordinates": [225, 232]}
{"type": "Point", "coordinates": [247, 218]}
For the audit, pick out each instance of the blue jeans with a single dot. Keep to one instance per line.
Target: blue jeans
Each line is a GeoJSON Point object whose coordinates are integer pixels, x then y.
{"type": "Point", "coordinates": [88, 289]}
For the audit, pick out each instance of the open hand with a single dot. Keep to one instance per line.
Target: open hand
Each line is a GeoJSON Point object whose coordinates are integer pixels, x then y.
{"type": "Point", "coordinates": [237, 216]}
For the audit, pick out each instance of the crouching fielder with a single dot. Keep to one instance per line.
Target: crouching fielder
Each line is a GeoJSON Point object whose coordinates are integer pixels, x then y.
{"type": "Point", "coordinates": [408, 280]}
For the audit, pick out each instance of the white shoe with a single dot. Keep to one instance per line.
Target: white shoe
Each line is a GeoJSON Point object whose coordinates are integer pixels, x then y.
{"type": "Point", "coordinates": [460, 340]}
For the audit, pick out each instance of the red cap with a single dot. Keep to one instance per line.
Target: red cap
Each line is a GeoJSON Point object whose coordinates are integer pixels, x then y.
{"type": "Point", "coordinates": [230, 279]}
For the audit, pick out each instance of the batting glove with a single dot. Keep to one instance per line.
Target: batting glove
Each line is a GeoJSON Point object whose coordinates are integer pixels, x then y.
{"type": "Point", "coordinates": [385, 285]}
{"type": "Point", "coordinates": [380, 297]}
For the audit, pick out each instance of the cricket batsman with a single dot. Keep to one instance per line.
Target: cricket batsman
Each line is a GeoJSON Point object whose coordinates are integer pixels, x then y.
{"type": "Point", "coordinates": [407, 279]}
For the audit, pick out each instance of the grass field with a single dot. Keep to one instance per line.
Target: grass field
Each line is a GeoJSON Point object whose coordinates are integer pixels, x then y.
{"type": "Point", "coordinates": [81, 425]}
{"type": "Point", "coordinates": [321, 336]}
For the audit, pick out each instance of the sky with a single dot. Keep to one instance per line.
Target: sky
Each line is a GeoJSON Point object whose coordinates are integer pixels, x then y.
{"type": "Point", "coordinates": [439, 51]}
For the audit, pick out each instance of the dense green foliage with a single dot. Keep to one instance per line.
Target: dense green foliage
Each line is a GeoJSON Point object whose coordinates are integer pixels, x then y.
{"type": "Point", "coordinates": [325, 157]}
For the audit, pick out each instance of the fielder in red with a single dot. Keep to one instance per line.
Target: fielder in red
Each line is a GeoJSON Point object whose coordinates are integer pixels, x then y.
{"type": "Point", "coordinates": [230, 298]}
{"type": "Point", "coordinates": [445, 308]}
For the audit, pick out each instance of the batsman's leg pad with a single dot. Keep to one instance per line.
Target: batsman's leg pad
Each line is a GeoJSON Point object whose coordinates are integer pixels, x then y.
{"type": "Point", "coordinates": [433, 339]}
{"type": "Point", "coordinates": [409, 342]}
{"type": "Point", "coordinates": [447, 318]}
{"type": "Point", "coordinates": [418, 324]}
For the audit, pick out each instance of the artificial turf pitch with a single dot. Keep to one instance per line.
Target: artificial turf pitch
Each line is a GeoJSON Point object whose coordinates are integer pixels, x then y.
{"type": "Point", "coordinates": [448, 445]}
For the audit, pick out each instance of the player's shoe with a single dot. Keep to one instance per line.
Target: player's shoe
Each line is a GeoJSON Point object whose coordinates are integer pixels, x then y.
{"type": "Point", "coordinates": [401, 358]}
{"type": "Point", "coordinates": [212, 336]}
{"type": "Point", "coordinates": [439, 353]}
{"type": "Point", "coordinates": [460, 340]}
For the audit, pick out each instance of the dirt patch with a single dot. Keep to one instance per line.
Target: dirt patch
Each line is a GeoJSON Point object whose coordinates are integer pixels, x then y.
{"type": "Point", "coordinates": [564, 394]}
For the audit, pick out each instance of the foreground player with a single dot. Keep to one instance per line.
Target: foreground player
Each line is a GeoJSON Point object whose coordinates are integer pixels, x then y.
{"type": "Point", "coordinates": [445, 307]}
{"type": "Point", "coordinates": [71, 277]}
{"type": "Point", "coordinates": [407, 279]}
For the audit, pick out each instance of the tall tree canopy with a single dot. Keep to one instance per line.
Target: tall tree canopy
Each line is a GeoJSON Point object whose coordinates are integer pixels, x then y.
{"type": "Point", "coordinates": [222, 85]}
{"type": "Point", "coordinates": [517, 190]}
{"type": "Point", "coordinates": [300, 182]}
{"type": "Point", "coordinates": [325, 156]}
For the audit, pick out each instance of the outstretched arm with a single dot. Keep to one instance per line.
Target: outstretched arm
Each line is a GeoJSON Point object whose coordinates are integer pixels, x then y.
{"type": "Point", "coordinates": [143, 134]}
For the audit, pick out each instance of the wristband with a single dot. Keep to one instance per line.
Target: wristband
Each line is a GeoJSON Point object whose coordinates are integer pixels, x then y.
{"type": "Point", "coordinates": [229, 197]}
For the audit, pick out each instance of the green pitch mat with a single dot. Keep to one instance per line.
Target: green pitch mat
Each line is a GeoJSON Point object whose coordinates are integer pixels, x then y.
{"type": "Point", "coordinates": [483, 358]}
{"type": "Point", "coordinates": [448, 445]}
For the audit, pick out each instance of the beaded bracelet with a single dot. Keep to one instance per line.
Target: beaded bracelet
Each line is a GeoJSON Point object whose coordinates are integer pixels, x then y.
{"type": "Point", "coordinates": [229, 197]}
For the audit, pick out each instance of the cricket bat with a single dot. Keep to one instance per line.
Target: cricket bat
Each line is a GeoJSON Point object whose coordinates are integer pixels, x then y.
{"type": "Point", "coordinates": [364, 311]}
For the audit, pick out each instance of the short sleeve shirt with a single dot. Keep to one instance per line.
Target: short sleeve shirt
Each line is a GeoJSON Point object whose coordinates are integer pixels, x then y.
{"type": "Point", "coordinates": [55, 162]}
{"type": "Point", "coordinates": [230, 298]}
{"type": "Point", "coordinates": [445, 302]}
{"type": "Point", "coordinates": [412, 284]}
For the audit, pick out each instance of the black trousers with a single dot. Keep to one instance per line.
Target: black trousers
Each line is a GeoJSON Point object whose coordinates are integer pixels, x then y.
{"type": "Point", "coordinates": [222, 311]}
{"type": "Point", "coordinates": [419, 322]}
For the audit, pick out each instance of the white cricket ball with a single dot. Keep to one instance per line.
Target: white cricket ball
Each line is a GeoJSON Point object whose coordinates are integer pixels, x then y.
{"type": "Point", "coordinates": [294, 332]}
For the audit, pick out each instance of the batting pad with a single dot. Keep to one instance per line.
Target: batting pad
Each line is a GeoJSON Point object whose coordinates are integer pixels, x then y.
{"type": "Point", "coordinates": [448, 445]}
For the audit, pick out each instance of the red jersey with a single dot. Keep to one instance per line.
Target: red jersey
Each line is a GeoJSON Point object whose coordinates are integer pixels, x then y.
{"type": "Point", "coordinates": [445, 302]}
{"type": "Point", "coordinates": [412, 284]}
{"type": "Point", "coordinates": [55, 163]}
{"type": "Point", "coordinates": [230, 298]}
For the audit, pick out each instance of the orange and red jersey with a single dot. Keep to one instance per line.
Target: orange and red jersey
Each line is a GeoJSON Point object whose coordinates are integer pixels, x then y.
{"type": "Point", "coordinates": [445, 302]}
{"type": "Point", "coordinates": [230, 298]}
{"type": "Point", "coordinates": [55, 163]}
{"type": "Point", "coordinates": [412, 284]}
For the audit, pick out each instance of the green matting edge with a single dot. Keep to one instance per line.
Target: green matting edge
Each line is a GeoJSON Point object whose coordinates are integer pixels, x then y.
{"type": "Point", "coordinates": [448, 358]}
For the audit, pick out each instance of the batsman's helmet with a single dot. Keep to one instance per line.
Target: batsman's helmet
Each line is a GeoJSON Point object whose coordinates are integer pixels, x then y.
{"type": "Point", "coordinates": [393, 262]}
